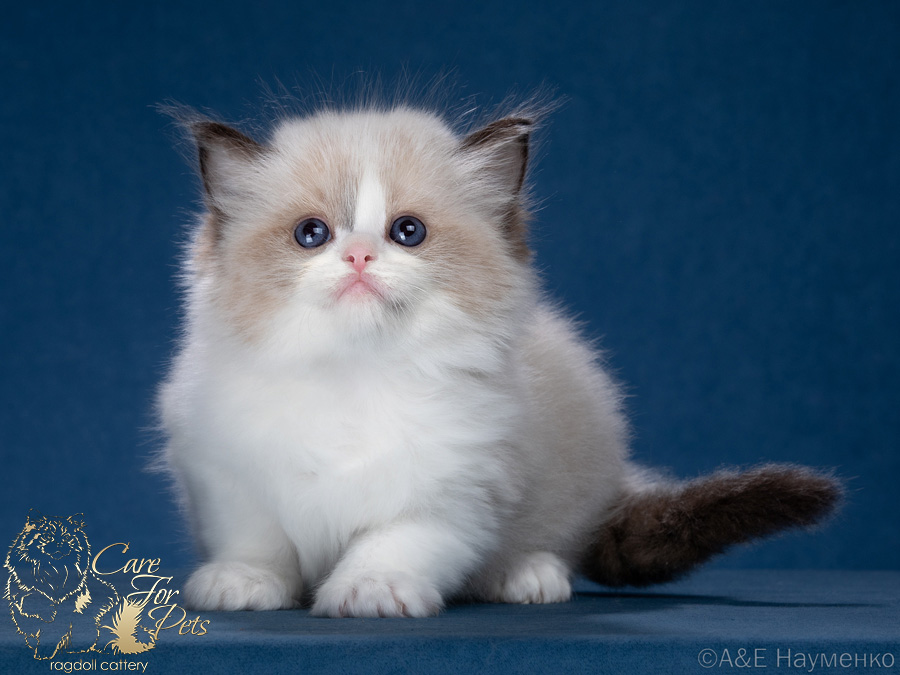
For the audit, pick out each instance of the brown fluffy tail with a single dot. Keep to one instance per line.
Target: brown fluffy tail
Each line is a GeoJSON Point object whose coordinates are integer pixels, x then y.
{"type": "Point", "coordinates": [662, 532]}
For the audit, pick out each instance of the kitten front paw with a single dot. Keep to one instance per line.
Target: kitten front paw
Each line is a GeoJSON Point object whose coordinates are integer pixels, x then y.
{"type": "Point", "coordinates": [234, 586]}
{"type": "Point", "coordinates": [377, 595]}
{"type": "Point", "coordinates": [535, 578]}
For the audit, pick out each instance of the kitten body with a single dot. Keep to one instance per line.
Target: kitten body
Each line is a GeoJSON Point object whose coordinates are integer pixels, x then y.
{"type": "Point", "coordinates": [377, 427]}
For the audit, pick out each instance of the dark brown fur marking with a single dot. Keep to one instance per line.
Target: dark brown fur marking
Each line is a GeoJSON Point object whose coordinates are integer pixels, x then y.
{"type": "Point", "coordinates": [515, 132]}
{"type": "Point", "coordinates": [509, 129]}
{"type": "Point", "coordinates": [208, 134]}
{"type": "Point", "coordinates": [660, 535]}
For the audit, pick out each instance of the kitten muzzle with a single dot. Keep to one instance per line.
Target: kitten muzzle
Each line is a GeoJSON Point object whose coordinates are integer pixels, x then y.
{"type": "Point", "coordinates": [359, 286]}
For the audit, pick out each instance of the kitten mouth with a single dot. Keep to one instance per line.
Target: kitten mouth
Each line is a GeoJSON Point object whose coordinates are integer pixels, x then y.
{"type": "Point", "coordinates": [360, 286]}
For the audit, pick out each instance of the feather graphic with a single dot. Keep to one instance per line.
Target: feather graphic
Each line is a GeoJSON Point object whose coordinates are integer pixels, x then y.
{"type": "Point", "coordinates": [126, 626]}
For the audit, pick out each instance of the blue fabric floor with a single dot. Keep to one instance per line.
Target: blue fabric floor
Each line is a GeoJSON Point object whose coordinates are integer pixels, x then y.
{"type": "Point", "coordinates": [715, 621]}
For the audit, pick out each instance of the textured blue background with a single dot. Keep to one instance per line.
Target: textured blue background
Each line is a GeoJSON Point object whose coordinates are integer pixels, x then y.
{"type": "Point", "coordinates": [720, 204]}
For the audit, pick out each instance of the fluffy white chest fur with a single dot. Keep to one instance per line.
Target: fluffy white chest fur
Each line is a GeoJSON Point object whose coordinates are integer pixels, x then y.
{"type": "Point", "coordinates": [373, 409]}
{"type": "Point", "coordinates": [345, 447]}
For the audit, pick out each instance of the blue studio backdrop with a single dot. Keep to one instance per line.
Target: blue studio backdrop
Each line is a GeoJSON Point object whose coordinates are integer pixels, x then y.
{"type": "Point", "coordinates": [719, 205]}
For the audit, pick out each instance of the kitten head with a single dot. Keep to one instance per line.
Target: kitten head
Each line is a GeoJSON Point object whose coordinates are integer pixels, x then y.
{"type": "Point", "coordinates": [354, 227]}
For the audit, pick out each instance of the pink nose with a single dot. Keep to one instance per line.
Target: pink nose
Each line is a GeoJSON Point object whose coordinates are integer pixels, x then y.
{"type": "Point", "coordinates": [359, 255]}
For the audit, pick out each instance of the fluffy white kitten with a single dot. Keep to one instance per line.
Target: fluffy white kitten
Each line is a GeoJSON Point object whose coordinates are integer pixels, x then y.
{"type": "Point", "coordinates": [374, 410]}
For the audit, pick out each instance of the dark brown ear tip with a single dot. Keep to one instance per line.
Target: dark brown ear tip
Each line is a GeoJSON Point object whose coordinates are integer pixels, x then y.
{"type": "Point", "coordinates": [519, 122]}
{"type": "Point", "coordinates": [205, 129]}
{"type": "Point", "coordinates": [500, 131]}
{"type": "Point", "coordinates": [209, 132]}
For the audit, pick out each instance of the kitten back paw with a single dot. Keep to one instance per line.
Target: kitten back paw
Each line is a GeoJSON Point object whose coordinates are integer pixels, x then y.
{"type": "Point", "coordinates": [536, 578]}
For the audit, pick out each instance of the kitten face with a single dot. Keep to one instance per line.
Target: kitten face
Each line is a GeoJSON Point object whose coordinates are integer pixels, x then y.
{"type": "Point", "coordinates": [350, 177]}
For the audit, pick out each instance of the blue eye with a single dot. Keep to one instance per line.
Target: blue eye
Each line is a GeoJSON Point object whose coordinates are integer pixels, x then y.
{"type": "Point", "coordinates": [408, 231]}
{"type": "Point", "coordinates": [311, 233]}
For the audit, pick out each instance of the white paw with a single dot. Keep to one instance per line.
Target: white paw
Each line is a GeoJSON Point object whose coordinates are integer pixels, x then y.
{"type": "Point", "coordinates": [535, 578]}
{"type": "Point", "coordinates": [235, 586]}
{"type": "Point", "coordinates": [377, 595]}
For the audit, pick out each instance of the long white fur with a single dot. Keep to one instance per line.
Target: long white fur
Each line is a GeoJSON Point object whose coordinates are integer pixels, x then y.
{"type": "Point", "coordinates": [381, 463]}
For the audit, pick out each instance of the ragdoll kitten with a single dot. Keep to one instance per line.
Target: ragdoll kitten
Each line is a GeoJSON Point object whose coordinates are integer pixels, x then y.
{"type": "Point", "coordinates": [375, 410]}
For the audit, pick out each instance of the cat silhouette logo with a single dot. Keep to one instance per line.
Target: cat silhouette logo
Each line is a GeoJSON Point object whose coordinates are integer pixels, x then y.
{"type": "Point", "coordinates": [57, 601]}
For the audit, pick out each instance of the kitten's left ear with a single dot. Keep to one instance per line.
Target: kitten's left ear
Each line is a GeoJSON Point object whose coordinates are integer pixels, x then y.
{"type": "Point", "coordinates": [500, 151]}
{"type": "Point", "coordinates": [504, 146]}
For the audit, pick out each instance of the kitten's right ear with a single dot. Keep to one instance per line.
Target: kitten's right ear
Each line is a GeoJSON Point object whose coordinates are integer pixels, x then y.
{"type": "Point", "coordinates": [226, 161]}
